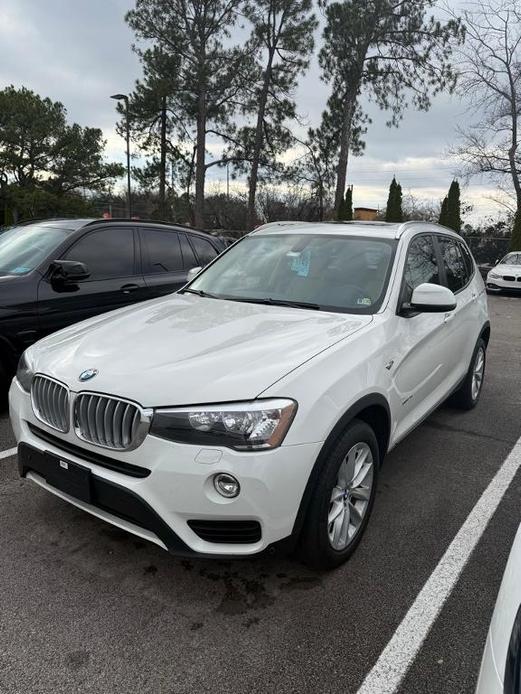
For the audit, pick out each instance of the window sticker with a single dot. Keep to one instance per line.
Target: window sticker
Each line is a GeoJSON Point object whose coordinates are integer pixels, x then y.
{"type": "Point", "coordinates": [300, 263]}
{"type": "Point", "coordinates": [366, 301]}
{"type": "Point", "coordinates": [20, 270]}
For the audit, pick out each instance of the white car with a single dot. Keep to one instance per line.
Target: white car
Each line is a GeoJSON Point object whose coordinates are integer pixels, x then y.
{"type": "Point", "coordinates": [506, 274]}
{"type": "Point", "coordinates": [501, 665]}
{"type": "Point", "coordinates": [254, 407]}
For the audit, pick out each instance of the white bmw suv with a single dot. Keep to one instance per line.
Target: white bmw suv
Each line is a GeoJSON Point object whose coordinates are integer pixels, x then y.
{"type": "Point", "coordinates": [254, 407]}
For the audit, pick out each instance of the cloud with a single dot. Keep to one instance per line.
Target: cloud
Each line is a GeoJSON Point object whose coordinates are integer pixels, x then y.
{"type": "Point", "coordinates": [79, 52]}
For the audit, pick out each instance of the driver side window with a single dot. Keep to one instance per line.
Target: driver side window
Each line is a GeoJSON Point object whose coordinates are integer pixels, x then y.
{"type": "Point", "coordinates": [421, 266]}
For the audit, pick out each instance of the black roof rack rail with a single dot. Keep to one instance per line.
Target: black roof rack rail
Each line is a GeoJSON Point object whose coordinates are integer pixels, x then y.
{"type": "Point", "coordinates": [102, 220]}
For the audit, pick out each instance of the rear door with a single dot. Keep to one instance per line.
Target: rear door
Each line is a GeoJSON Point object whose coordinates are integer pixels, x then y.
{"type": "Point", "coordinates": [460, 323]}
{"type": "Point", "coordinates": [166, 257]}
{"type": "Point", "coordinates": [110, 254]}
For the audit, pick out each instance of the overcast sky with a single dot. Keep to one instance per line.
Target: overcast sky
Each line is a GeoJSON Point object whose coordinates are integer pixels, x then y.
{"type": "Point", "coordinates": [79, 52]}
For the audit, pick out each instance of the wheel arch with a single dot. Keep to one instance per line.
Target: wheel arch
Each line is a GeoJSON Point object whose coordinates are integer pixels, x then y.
{"type": "Point", "coordinates": [372, 409]}
{"type": "Point", "coordinates": [485, 333]}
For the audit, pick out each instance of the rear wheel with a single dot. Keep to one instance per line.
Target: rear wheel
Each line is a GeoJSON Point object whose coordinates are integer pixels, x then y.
{"type": "Point", "coordinates": [342, 500]}
{"type": "Point", "coordinates": [468, 394]}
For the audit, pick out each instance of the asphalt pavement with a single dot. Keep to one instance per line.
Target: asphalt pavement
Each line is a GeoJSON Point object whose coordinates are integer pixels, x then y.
{"type": "Point", "coordinates": [85, 607]}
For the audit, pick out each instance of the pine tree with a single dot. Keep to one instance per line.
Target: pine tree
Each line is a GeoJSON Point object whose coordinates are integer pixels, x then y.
{"type": "Point", "coordinates": [348, 204]}
{"type": "Point", "coordinates": [389, 210]}
{"type": "Point", "coordinates": [515, 241]}
{"type": "Point", "coordinates": [398, 204]}
{"type": "Point", "coordinates": [393, 212]}
{"type": "Point", "coordinates": [444, 212]}
{"type": "Point", "coordinates": [454, 207]}
{"type": "Point", "coordinates": [385, 51]}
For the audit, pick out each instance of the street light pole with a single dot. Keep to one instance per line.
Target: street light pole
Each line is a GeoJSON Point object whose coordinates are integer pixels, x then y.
{"type": "Point", "coordinates": [124, 97]}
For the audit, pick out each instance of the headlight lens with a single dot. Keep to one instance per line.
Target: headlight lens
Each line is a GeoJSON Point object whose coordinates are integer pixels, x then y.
{"type": "Point", "coordinates": [24, 373]}
{"type": "Point", "coordinates": [493, 276]}
{"type": "Point", "coordinates": [256, 425]}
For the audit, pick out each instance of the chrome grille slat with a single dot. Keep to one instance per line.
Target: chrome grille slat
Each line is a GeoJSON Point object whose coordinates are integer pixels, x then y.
{"type": "Point", "coordinates": [50, 401]}
{"type": "Point", "coordinates": [109, 422]}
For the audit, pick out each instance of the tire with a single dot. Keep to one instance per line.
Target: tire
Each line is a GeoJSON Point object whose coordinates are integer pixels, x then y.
{"type": "Point", "coordinates": [468, 394]}
{"type": "Point", "coordinates": [324, 543]}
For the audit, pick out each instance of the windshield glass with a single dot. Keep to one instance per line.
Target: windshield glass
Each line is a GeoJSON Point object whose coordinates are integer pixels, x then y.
{"type": "Point", "coordinates": [334, 272]}
{"type": "Point", "coordinates": [23, 248]}
{"type": "Point", "coordinates": [512, 259]}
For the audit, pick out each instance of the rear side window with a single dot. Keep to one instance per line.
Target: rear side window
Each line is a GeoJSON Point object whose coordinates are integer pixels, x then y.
{"type": "Point", "coordinates": [469, 261]}
{"type": "Point", "coordinates": [421, 266]}
{"type": "Point", "coordinates": [162, 251]}
{"type": "Point", "coordinates": [188, 254]}
{"type": "Point", "coordinates": [108, 253]}
{"type": "Point", "coordinates": [204, 249]}
{"type": "Point", "coordinates": [455, 268]}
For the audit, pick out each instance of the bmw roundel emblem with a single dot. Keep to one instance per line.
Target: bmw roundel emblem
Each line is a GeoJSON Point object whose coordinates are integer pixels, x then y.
{"type": "Point", "coordinates": [88, 374]}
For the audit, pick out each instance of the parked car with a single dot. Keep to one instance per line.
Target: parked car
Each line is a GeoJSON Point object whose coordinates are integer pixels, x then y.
{"type": "Point", "coordinates": [57, 272]}
{"type": "Point", "coordinates": [501, 665]}
{"type": "Point", "coordinates": [506, 274]}
{"type": "Point", "coordinates": [253, 408]}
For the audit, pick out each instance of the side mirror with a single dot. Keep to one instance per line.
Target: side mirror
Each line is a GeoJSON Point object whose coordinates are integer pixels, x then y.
{"type": "Point", "coordinates": [69, 271]}
{"type": "Point", "coordinates": [193, 272]}
{"type": "Point", "coordinates": [432, 298]}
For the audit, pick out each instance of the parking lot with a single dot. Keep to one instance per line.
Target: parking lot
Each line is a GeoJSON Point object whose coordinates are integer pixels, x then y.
{"type": "Point", "coordinates": [86, 607]}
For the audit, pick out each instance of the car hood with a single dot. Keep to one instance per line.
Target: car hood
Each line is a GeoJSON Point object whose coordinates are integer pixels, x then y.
{"type": "Point", "coordinates": [184, 349]}
{"type": "Point", "coordinates": [512, 270]}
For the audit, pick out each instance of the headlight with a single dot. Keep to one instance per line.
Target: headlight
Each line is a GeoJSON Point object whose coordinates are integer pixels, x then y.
{"type": "Point", "coordinates": [24, 373]}
{"type": "Point", "coordinates": [493, 276]}
{"type": "Point", "coordinates": [256, 425]}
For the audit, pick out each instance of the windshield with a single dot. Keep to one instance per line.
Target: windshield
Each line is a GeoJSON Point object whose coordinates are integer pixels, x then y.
{"type": "Point", "coordinates": [23, 248]}
{"type": "Point", "coordinates": [328, 272]}
{"type": "Point", "coordinates": [511, 259]}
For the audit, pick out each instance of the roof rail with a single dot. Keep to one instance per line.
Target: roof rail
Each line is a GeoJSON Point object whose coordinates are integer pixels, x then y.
{"type": "Point", "coordinates": [415, 222]}
{"type": "Point", "coordinates": [145, 221]}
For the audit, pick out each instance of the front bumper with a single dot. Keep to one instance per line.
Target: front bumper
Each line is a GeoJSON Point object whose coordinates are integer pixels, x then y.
{"type": "Point", "coordinates": [175, 487]}
{"type": "Point", "coordinates": [496, 284]}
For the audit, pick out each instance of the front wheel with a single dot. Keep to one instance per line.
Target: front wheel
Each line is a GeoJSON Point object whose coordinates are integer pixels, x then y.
{"type": "Point", "coordinates": [342, 500]}
{"type": "Point", "coordinates": [468, 394]}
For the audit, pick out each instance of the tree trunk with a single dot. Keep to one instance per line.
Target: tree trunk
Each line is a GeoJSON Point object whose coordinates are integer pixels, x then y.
{"type": "Point", "coordinates": [259, 141]}
{"type": "Point", "coordinates": [345, 143]}
{"type": "Point", "coordinates": [200, 161]}
{"type": "Point", "coordinates": [162, 166]}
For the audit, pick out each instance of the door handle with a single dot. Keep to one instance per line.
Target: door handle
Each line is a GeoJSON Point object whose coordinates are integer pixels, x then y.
{"type": "Point", "coordinates": [128, 288]}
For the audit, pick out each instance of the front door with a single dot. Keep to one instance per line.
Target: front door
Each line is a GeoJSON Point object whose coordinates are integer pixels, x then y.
{"type": "Point", "coordinates": [115, 279]}
{"type": "Point", "coordinates": [423, 344]}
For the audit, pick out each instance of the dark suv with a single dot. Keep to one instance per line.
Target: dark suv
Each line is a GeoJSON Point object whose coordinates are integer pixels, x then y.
{"type": "Point", "coordinates": [57, 272]}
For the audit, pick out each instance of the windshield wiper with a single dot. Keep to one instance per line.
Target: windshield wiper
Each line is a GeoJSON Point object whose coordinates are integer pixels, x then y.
{"type": "Point", "coordinates": [282, 302]}
{"type": "Point", "coordinates": [199, 292]}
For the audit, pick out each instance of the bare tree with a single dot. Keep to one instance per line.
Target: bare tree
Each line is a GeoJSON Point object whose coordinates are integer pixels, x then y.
{"type": "Point", "coordinates": [491, 79]}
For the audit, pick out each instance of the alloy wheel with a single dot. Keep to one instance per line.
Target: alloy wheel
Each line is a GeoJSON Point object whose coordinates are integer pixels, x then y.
{"type": "Point", "coordinates": [477, 374]}
{"type": "Point", "coordinates": [350, 496]}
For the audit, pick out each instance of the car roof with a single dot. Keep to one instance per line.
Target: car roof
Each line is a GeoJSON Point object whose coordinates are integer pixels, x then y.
{"type": "Point", "coordinates": [390, 230]}
{"type": "Point", "coordinates": [68, 224]}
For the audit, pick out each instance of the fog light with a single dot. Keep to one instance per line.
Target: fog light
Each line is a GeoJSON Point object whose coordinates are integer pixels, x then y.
{"type": "Point", "coordinates": [226, 485]}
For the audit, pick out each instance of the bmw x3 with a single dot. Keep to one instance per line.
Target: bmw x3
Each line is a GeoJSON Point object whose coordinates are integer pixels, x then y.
{"type": "Point", "coordinates": [253, 408]}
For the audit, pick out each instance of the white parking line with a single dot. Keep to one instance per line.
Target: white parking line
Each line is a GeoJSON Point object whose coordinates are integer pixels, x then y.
{"type": "Point", "coordinates": [396, 658]}
{"type": "Point", "coordinates": [8, 453]}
